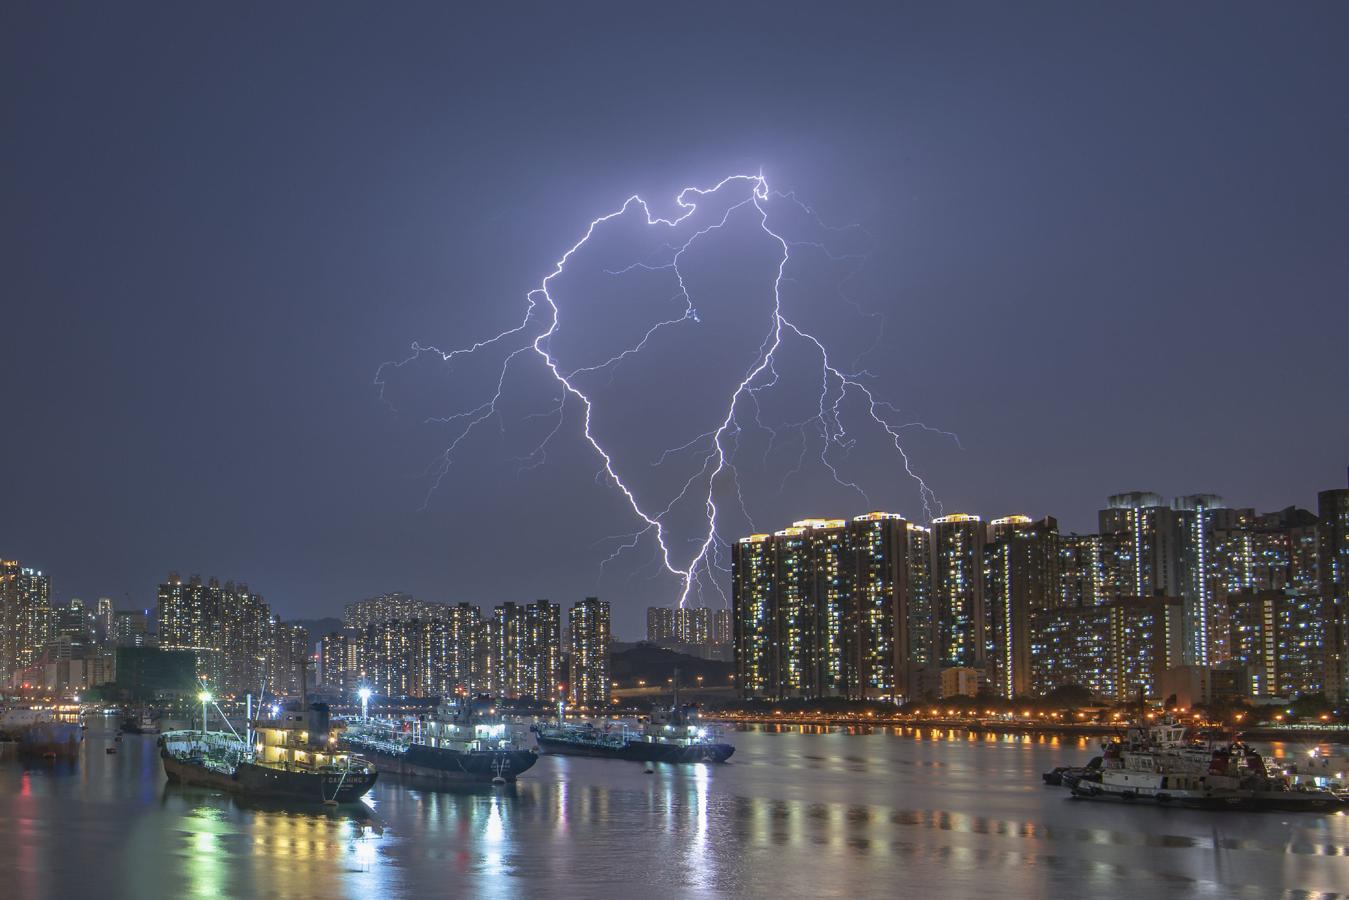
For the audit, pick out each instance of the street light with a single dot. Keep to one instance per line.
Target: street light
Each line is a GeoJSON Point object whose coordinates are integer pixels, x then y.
{"type": "Point", "coordinates": [364, 694]}
{"type": "Point", "coordinates": [205, 698]}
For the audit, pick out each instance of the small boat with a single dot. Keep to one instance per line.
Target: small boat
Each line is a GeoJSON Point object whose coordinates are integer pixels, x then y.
{"type": "Point", "coordinates": [293, 757]}
{"type": "Point", "coordinates": [141, 724]}
{"type": "Point", "coordinates": [463, 741]}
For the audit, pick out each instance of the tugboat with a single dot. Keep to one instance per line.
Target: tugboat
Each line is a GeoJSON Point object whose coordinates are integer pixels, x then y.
{"type": "Point", "coordinates": [1161, 764]}
{"type": "Point", "coordinates": [293, 757]}
{"type": "Point", "coordinates": [141, 723]}
{"type": "Point", "coordinates": [674, 735]}
{"type": "Point", "coordinates": [464, 741]}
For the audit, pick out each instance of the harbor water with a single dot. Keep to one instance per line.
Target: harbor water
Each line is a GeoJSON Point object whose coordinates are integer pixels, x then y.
{"type": "Point", "coordinates": [796, 813]}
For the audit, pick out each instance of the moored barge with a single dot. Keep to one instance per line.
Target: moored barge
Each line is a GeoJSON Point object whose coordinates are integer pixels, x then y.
{"type": "Point", "coordinates": [674, 735]}
{"type": "Point", "coordinates": [463, 741]}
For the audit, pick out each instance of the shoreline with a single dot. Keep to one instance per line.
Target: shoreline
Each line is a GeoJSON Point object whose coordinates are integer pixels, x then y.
{"type": "Point", "coordinates": [1338, 735]}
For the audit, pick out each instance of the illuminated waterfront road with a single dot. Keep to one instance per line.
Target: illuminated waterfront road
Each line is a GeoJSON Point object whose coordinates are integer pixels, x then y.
{"type": "Point", "coordinates": [933, 814]}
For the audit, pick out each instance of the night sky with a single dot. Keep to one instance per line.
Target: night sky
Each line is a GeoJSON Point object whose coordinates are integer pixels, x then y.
{"type": "Point", "coordinates": [1110, 248]}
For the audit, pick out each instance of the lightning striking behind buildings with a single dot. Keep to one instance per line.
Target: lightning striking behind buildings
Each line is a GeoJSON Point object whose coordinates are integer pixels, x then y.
{"type": "Point", "coordinates": [714, 450]}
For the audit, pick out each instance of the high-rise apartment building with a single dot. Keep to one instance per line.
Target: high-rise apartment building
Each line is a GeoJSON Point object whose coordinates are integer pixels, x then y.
{"type": "Point", "coordinates": [721, 627]}
{"type": "Point", "coordinates": [1072, 646]}
{"type": "Point", "coordinates": [754, 616]}
{"type": "Point", "coordinates": [1140, 547]}
{"type": "Point", "coordinates": [339, 666]}
{"type": "Point", "coordinates": [190, 618]}
{"type": "Point", "coordinates": [1333, 574]}
{"type": "Point", "coordinates": [131, 627]}
{"type": "Point", "coordinates": [466, 651]}
{"type": "Point", "coordinates": [25, 616]}
{"type": "Point", "coordinates": [1081, 572]}
{"type": "Point", "coordinates": [1302, 635]}
{"type": "Point", "coordinates": [73, 621]}
{"type": "Point", "coordinates": [822, 608]}
{"type": "Point", "coordinates": [693, 625]}
{"type": "Point", "coordinates": [103, 621]}
{"type": "Point", "coordinates": [246, 637]}
{"type": "Point", "coordinates": [526, 650]}
{"type": "Point", "coordinates": [920, 612]}
{"type": "Point", "coordinates": [394, 607]}
{"type": "Point", "coordinates": [386, 656]}
{"type": "Point", "coordinates": [588, 679]}
{"type": "Point", "coordinates": [1021, 577]}
{"type": "Point", "coordinates": [1117, 650]}
{"type": "Point", "coordinates": [1279, 638]}
{"type": "Point", "coordinates": [698, 630]}
{"type": "Point", "coordinates": [1146, 639]}
{"type": "Point", "coordinates": [806, 609]}
{"type": "Point", "coordinates": [885, 603]}
{"type": "Point", "coordinates": [288, 665]}
{"type": "Point", "coordinates": [958, 590]}
{"type": "Point", "coordinates": [660, 624]}
{"type": "Point", "coordinates": [1201, 517]}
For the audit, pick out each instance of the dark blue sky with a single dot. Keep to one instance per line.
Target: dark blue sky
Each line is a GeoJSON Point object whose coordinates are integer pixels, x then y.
{"type": "Point", "coordinates": [1110, 245]}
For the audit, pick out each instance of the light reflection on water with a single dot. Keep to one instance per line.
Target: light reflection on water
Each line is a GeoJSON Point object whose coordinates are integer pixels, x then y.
{"type": "Point", "coordinates": [799, 811]}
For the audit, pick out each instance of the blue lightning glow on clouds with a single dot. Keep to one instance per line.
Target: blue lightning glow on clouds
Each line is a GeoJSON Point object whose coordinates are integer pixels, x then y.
{"type": "Point", "coordinates": [716, 449]}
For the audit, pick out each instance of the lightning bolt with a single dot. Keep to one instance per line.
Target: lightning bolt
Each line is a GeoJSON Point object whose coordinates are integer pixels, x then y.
{"type": "Point", "coordinates": [717, 447]}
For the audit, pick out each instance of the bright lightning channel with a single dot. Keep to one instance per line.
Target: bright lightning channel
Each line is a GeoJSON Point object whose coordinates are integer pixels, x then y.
{"type": "Point", "coordinates": [718, 459]}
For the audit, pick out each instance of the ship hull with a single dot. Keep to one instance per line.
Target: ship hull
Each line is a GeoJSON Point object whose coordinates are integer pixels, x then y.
{"type": "Point", "coordinates": [638, 751]}
{"type": "Point", "coordinates": [436, 765]}
{"type": "Point", "coordinates": [264, 781]}
{"type": "Point", "coordinates": [1245, 800]}
{"type": "Point", "coordinates": [48, 739]}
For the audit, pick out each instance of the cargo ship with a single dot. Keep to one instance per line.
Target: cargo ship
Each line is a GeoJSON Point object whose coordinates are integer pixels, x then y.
{"type": "Point", "coordinates": [463, 741]}
{"type": "Point", "coordinates": [673, 735]}
{"type": "Point", "coordinates": [291, 757]}
{"type": "Point", "coordinates": [39, 733]}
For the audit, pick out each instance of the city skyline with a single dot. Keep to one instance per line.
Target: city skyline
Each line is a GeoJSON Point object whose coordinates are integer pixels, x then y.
{"type": "Point", "coordinates": [631, 620]}
{"type": "Point", "coordinates": [1189, 593]}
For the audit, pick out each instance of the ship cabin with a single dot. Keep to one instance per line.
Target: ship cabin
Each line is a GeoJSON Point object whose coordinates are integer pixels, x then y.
{"type": "Point", "coordinates": [299, 739]}
{"type": "Point", "coordinates": [677, 725]}
{"type": "Point", "coordinates": [467, 726]}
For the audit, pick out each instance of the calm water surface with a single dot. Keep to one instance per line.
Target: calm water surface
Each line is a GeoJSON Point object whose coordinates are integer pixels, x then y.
{"type": "Point", "coordinates": [931, 814]}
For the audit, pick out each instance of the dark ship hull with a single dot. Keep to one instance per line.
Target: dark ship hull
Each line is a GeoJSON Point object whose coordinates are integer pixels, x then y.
{"type": "Point", "coordinates": [265, 781]}
{"type": "Point", "coordinates": [635, 751]}
{"type": "Point", "coordinates": [51, 740]}
{"type": "Point", "coordinates": [1088, 787]}
{"type": "Point", "coordinates": [445, 765]}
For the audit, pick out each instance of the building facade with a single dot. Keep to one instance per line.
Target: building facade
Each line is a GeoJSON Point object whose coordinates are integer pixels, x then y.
{"type": "Point", "coordinates": [526, 651]}
{"type": "Point", "coordinates": [821, 609]}
{"type": "Point", "coordinates": [1333, 575]}
{"type": "Point", "coordinates": [588, 676]}
{"type": "Point", "coordinates": [1021, 575]}
{"type": "Point", "coordinates": [25, 616]}
{"type": "Point", "coordinates": [958, 590]}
